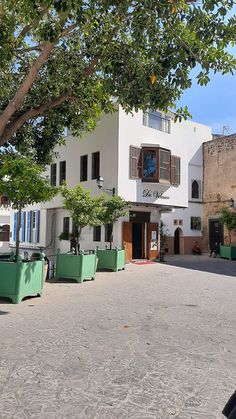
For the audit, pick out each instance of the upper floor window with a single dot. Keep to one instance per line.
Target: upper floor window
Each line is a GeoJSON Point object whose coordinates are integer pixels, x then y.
{"type": "Point", "coordinates": [156, 120]}
{"type": "Point", "coordinates": [95, 165]}
{"type": "Point", "coordinates": [83, 168]}
{"type": "Point", "coordinates": [53, 174]}
{"type": "Point", "coordinates": [154, 164]}
{"type": "Point", "coordinates": [62, 177]}
{"type": "Point", "coordinates": [195, 189]}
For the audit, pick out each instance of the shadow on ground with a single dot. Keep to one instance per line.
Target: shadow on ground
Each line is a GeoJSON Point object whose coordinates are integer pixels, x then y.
{"type": "Point", "coordinates": [203, 263]}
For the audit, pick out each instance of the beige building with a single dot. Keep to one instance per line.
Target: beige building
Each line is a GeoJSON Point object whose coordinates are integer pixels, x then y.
{"type": "Point", "coordinates": [219, 187]}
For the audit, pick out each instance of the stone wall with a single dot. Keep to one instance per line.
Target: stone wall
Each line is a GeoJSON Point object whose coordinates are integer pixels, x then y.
{"type": "Point", "coordinates": [219, 180]}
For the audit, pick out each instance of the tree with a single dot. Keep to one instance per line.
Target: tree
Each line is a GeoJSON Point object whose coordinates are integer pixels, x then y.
{"type": "Point", "coordinates": [85, 210]}
{"type": "Point", "coordinates": [22, 181]}
{"type": "Point", "coordinates": [228, 218]}
{"type": "Point", "coordinates": [63, 62]}
{"type": "Point", "coordinates": [114, 208]}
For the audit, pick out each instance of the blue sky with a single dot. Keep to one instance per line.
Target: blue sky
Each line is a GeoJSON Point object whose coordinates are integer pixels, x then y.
{"type": "Point", "coordinates": [214, 104]}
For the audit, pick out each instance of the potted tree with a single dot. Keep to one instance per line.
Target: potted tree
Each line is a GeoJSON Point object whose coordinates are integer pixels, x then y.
{"type": "Point", "coordinates": [228, 218]}
{"type": "Point", "coordinates": [21, 179]}
{"type": "Point", "coordinates": [114, 259]}
{"type": "Point", "coordinates": [85, 211]}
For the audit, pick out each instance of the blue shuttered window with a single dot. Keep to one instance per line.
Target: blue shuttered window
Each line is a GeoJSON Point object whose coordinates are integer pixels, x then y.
{"type": "Point", "coordinates": [23, 225]}
{"type": "Point", "coordinates": [37, 226]}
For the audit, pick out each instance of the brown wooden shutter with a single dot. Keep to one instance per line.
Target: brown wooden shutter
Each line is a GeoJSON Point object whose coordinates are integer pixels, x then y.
{"type": "Point", "coordinates": [135, 162]}
{"type": "Point", "coordinates": [164, 164]}
{"type": "Point", "coordinates": [175, 170]}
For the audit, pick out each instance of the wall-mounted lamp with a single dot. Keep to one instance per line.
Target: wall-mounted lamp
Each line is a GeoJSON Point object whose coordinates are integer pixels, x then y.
{"type": "Point", "coordinates": [231, 203]}
{"type": "Point", "coordinates": [100, 182]}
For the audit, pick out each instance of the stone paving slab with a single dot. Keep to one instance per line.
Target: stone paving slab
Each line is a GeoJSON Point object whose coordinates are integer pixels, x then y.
{"type": "Point", "coordinates": [154, 341]}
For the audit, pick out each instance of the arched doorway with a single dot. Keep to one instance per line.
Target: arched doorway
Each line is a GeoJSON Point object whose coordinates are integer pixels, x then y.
{"type": "Point", "coordinates": [178, 242]}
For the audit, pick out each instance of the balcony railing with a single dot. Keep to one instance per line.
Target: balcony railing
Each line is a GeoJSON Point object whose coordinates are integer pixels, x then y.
{"type": "Point", "coordinates": [152, 120]}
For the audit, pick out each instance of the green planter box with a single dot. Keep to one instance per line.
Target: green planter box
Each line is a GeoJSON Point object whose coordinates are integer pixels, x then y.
{"type": "Point", "coordinates": [77, 267]}
{"type": "Point", "coordinates": [21, 279]}
{"type": "Point", "coordinates": [111, 259]}
{"type": "Point", "coordinates": [228, 252]}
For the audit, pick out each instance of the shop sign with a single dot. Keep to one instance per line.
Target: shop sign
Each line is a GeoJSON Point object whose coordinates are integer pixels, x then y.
{"type": "Point", "coordinates": [148, 193]}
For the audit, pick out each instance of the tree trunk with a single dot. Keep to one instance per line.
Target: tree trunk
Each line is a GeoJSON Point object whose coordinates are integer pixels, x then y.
{"type": "Point", "coordinates": [230, 238]}
{"type": "Point", "coordinates": [111, 238]}
{"type": "Point", "coordinates": [78, 241]}
{"type": "Point", "coordinates": [18, 226]}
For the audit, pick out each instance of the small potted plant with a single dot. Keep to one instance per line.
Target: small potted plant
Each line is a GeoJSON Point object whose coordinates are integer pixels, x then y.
{"type": "Point", "coordinates": [228, 218]}
{"type": "Point", "coordinates": [114, 259]}
{"type": "Point", "coordinates": [85, 211]}
{"type": "Point", "coordinates": [23, 182]}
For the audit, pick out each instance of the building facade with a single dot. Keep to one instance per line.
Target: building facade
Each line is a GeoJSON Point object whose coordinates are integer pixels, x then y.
{"type": "Point", "coordinates": [144, 157]}
{"type": "Point", "coordinates": [219, 157]}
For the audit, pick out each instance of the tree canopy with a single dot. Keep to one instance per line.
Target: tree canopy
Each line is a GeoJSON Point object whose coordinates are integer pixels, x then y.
{"type": "Point", "coordinates": [22, 181]}
{"type": "Point", "coordinates": [84, 209]}
{"type": "Point", "coordinates": [63, 62]}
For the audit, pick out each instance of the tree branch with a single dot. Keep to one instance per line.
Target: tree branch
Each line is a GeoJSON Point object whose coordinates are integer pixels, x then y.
{"type": "Point", "coordinates": [18, 99]}
{"type": "Point", "coordinates": [33, 113]}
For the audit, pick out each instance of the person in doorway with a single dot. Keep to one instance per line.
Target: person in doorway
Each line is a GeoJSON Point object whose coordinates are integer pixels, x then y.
{"type": "Point", "coordinates": [196, 250]}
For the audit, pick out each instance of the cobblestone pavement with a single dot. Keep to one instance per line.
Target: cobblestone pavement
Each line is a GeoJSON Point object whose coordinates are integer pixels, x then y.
{"type": "Point", "coordinates": [154, 341]}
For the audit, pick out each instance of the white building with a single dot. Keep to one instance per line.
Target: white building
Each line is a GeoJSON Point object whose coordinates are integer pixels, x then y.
{"type": "Point", "coordinates": [145, 157]}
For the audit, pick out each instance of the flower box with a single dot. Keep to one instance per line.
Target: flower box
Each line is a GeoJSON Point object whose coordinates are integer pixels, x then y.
{"type": "Point", "coordinates": [228, 252]}
{"type": "Point", "coordinates": [21, 279]}
{"type": "Point", "coordinates": [113, 259]}
{"type": "Point", "coordinates": [77, 267]}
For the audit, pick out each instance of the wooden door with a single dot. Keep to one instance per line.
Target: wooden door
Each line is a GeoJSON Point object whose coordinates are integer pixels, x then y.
{"type": "Point", "coordinates": [152, 241]}
{"type": "Point", "coordinates": [127, 239]}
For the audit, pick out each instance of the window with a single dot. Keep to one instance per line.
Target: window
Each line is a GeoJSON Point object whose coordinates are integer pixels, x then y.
{"type": "Point", "coordinates": [62, 177]}
{"type": "Point", "coordinates": [154, 164]}
{"type": "Point", "coordinates": [135, 162]}
{"type": "Point", "coordinates": [176, 222]}
{"type": "Point", "coordinates": [66, 228]}
{"type": "Point", "coordinates": [95, 165]}
{"type": "Point", "coordinates": [83, 168]}
{"type": "Point", "coordinates": [149, 166]}
{"type": "Point", "coordinates": [156, 120]}
{"type": "Point", "coordinates": [97, 234]}
{"type": "Point", "coordinates": [175, 170]}
{"type": "Point", "coordinates": [4, 233]}
{"type": "Point", "coordinates": [180, 222]}
{"type": "Point", "coordinates": [4, 201]}
{"type": "Point", "coordinates": [164, 159]}
{"type": "Point", "coordinates": [53, 176]}
{"type": "Point", "coordinates": [195, 223]}
{"type": "Point", "coordinates": [195, 189]}
{"type": "Point", "coordinates": [108, 231]}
